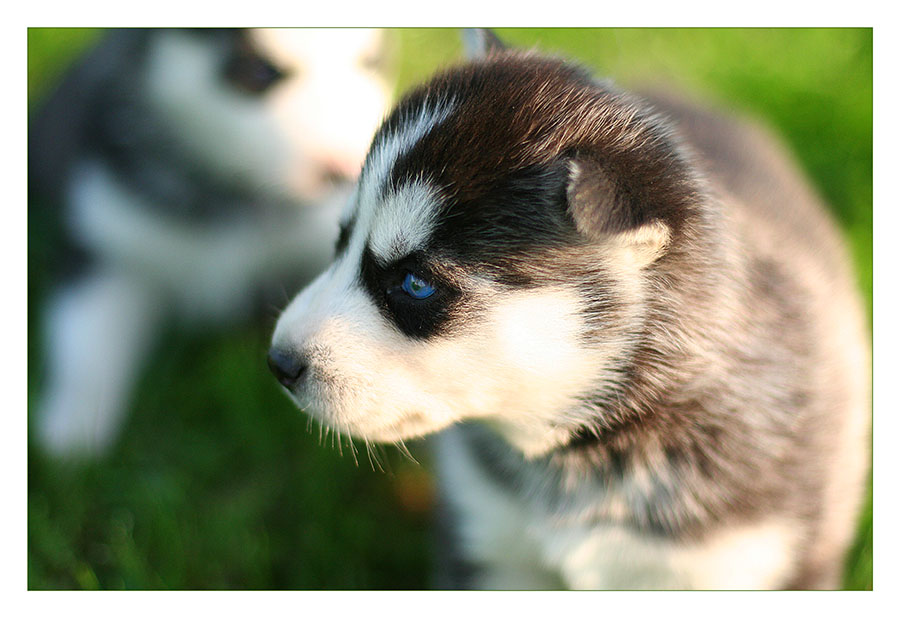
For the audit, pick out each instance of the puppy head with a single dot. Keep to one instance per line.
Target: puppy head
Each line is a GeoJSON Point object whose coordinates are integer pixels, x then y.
{"type": "Point", "coordinates": [278, 108]}
{"type": "Point", "coordinates": [493, 261]}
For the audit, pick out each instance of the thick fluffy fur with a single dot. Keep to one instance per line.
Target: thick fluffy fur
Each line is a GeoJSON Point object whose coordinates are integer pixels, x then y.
{"type": "Point", "coordinates": [643, 333]}
{"type": "Point", "coordinates": [190, 173]}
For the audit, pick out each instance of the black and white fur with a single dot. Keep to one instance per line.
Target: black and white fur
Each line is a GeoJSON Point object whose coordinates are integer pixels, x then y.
{"type": "Point", "coordinates": [644, 346]}
{"type": "Point", "coordinates": [189, 170]}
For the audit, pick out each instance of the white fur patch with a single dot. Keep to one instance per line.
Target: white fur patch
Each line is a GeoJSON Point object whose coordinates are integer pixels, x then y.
{"type": "Point", "coordinates": [524, 547]}
{"type": "Point", "coordinates": [382, 157]}
{"type": "Point", "coordinates": [403, 222]}
{"type": "Point", "coordinates": [750, 557]}
{"type": "Point", "coordinates": [536, 357]}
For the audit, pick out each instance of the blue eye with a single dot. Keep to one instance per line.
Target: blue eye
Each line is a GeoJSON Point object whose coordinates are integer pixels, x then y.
{"type": "Point", "coordinates": [417, 288]}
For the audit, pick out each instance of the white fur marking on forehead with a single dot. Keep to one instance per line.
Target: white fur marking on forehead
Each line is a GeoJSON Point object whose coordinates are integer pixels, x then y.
{"type": "Point", "coordinates": [403, 222]}
{"type": "Point", "coordinates": [392, 146]}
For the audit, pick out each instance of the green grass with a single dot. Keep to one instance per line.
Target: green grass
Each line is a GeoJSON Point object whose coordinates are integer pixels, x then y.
{"type": "Point", "coordinates": [50, 51]}
{"type": "Point", "coordinates": [217, 482]}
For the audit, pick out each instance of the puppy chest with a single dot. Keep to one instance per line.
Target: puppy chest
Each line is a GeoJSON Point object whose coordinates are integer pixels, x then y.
{"type": "Point", "coordinates": [514, 539]}
{"type": "Point", "coordinates": [512, 546]}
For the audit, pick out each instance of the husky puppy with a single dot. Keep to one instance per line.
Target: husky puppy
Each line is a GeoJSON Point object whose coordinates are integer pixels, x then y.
{"type": "Point", "coordinates": [194, 169]}
{"type": "Point", "coordinates": [633, 320]}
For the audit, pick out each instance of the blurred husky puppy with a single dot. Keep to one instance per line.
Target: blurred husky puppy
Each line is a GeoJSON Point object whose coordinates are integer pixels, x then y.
{"type": "Point", "coordinates": [194, 168]}
{"type": "Point", "coordinates": [635, 323]}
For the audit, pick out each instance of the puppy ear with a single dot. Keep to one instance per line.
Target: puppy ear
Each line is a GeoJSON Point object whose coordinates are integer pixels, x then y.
{"type": "Point", "coordinates": [604, 212]}
{"type": "Point", "coordinates": [480, 42]}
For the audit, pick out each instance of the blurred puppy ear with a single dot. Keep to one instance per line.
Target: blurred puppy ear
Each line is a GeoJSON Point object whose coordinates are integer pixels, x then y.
{"type": "Point", "coordinates": [480, 42]}
{"type": "Point", "coordinates": [604, 212]}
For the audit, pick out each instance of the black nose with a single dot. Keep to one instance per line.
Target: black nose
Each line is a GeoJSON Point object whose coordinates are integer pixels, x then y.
{"type": "Point", "coordinates": [287, 367]}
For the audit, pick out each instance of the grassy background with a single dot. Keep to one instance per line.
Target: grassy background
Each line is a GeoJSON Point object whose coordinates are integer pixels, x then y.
{"type": "Point", "coordinates": [217, 482]}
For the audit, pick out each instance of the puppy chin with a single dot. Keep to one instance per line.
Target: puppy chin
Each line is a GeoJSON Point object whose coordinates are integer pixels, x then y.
{"type": "Point", "coordinates": [368, 425]}
{"type": "Point", "coordinates": [405, 428]}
